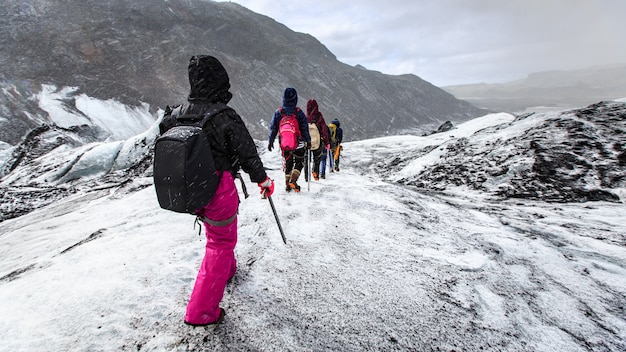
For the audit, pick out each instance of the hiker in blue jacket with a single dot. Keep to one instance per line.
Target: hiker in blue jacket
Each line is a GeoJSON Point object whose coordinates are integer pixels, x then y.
{"type": "Point", "coordinates": [293, 159]}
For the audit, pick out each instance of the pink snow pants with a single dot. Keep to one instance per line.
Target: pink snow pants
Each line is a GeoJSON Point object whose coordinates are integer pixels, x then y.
{"type": "Point", "coordinates": [218, 265]}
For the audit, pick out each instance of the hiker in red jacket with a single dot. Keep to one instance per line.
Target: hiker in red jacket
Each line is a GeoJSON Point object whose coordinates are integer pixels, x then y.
{"type": "Point", "coordinates": [232, 148]}
{"type": "Point", "coordinates": [317, 123]}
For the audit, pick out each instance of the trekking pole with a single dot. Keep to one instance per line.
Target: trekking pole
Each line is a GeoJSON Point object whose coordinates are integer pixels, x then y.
{"type": "Point", "coordinates": [306, 169]}
{"type": "Point", "coordinates": [309, 171]}
{"type": "Point", "coordinates": [280, 227]}
{"type": "Point", "coordinates": [330, 160]}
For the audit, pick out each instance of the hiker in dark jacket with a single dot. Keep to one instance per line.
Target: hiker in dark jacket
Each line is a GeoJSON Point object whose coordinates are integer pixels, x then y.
{"type": "Point", "coordinates": [313, 115]}
{"type": "Point", "coordinates": [293, 160]}
{"type": "Point", "coordinates": [233, 148]}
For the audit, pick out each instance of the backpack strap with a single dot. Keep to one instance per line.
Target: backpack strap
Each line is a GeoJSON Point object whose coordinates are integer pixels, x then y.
{"type": "Point", "coordinates": [169, 118]}
{"type": "Point", "coordinates": [203, 219]}
{"type": "Point", "coordinates": [217, 223]}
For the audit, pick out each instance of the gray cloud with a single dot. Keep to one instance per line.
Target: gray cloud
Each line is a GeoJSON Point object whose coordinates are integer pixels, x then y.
{"type": "Point", "coordinates": [459, 41]}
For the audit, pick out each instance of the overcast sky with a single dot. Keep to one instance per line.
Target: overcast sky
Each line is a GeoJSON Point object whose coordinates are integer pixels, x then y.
{"type": "Point", "coordinates": [460, 41]}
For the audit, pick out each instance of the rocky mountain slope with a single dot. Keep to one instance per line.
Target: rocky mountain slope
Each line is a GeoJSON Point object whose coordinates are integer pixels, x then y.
{"type": "Point", "coordinates": [137, 52]}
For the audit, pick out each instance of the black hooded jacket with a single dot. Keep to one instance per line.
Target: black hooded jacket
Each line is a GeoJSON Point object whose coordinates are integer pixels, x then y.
{"type": "Point", "coordinates": [231, 143]}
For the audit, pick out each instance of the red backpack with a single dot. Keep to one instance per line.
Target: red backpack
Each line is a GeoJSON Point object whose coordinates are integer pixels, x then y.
{"type": "Point", "coordinates": [288, 130]}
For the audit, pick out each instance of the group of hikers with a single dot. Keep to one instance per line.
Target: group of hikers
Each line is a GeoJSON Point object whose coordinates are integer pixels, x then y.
{"type": "Point", "coordinates": [203, 144]}
{"type": "Point", "coordinates": [304, 137]}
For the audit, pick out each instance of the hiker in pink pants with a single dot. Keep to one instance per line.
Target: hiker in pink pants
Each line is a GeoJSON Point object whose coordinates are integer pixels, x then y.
{"type": "Point", "coordinates": [233, 148]}
{"type": "Point", "coordinates": [219, 264]}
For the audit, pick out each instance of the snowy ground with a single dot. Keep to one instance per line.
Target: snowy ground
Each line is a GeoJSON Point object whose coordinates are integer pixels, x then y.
{"type": "Point", "coordinates": [368, 265]}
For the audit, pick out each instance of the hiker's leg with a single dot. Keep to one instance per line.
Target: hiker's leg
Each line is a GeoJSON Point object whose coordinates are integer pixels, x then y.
{"type": "Point", "coordinates": [295, 174]}
{"type": "Point", "coordinates": [338, 157]}
{"type": "Point", "coordinates": [289, 160]}
{"type": "Point", "coordinates": [330, 159]}
{"type": "Point", "coordinates": [323, 163]}
{"type": "Point", "coordinates": [317, 154]}
{"type": "Point", "coordinates": [218, 265]}
{"type": "Point", "coordinates": [298, 158]}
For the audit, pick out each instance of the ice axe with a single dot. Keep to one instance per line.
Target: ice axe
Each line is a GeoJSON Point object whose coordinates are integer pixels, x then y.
{"type": "Point", "coordinates": [280, 227]}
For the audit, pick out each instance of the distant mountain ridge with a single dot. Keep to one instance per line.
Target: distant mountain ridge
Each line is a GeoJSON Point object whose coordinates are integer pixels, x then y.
{"type": "Point", "coordinates": [137, 52]}
{"type": "Point", "coordinates": [558, 89]}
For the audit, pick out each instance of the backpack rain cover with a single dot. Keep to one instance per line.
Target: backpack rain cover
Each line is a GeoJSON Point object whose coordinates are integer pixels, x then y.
{"type": "Point", "coordinates": [315, 136]}
{"type": "Point", "coordinates": [288, 131]}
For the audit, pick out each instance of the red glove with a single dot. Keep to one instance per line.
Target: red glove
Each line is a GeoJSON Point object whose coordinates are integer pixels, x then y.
{"type": "Point", "coordinates": [267, 187]}
{"type": "Point", "coordinates": [327, 146]}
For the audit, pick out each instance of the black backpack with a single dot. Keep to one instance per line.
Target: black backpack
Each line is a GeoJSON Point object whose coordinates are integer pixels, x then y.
{"type": "Point", "coordinates": [184, 171]}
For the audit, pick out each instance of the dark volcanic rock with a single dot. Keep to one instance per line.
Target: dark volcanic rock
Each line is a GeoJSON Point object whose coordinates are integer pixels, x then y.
{"type": "Point", "coordinates": [571, 156]}
{"type": "Point", "coordinates": [445, 127]}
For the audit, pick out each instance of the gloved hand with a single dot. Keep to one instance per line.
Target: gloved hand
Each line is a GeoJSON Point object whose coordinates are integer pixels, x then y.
{"type": "Point", "coordinates": [269, 147]}
{"type": "Point", "coordinates": [267, 187]}
{"type": "Point", "coordinates": [327, 147]}
{"type": "Point", "coordinates": [307, 145]}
